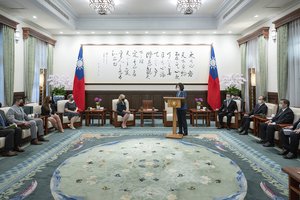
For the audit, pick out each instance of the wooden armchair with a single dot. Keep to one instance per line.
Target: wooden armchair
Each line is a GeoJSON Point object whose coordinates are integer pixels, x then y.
{"type": "Point", "coordinates": [116, 119]}
{"type": "Point", "coordinates": [64, 119]}
{"type": "Point", "coordinates": [235, 120]}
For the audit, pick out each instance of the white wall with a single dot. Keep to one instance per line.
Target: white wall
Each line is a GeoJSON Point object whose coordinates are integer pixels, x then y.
{"type": "Point", "coordinates": [67, 47]}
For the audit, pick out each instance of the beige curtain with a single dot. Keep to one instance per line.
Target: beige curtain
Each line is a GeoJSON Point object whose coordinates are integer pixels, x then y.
{"type": "Point", "coordinates": [243, 65]}
{"type": "Point", "coordinates": [261, 70]}
{"type": "Point", "coordinates": [49, 66]}
{"type": "Point", "coordinates": [29, 62]}
{"type": "Point", "coordinates": [282, 59]}
{"type": "Point", "coordinates": [8, 63]}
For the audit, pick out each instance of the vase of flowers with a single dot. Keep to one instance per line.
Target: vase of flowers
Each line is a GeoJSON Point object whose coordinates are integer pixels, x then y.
{"type": "Point", "coordinates": [198, 103]}
{"type": "Point", "coordinates": [59, 85]}
{"type": "Point", "coordinates": [233, 83]}
{"type": "Point", "coordinates": [98, 102]}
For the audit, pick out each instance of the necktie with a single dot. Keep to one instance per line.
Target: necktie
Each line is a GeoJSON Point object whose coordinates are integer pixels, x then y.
{"type": "Point", "coordinates": [2, 121]}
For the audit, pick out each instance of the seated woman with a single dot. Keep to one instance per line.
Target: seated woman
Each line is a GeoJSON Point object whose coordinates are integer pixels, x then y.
{"type": "Point", "coordinates": [71, 110]}
{"type": "Point", "coordinates": [47, 110]}
{"type": "Point", "coordinates": [122, 110]}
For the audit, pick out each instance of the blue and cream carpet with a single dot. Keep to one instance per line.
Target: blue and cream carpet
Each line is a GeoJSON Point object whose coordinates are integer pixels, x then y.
{"type": "Point", "coordinates": [139, 163]}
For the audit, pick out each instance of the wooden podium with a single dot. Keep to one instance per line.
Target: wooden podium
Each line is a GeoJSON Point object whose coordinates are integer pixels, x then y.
{"type": "Point", "coordinates": [174, 102]}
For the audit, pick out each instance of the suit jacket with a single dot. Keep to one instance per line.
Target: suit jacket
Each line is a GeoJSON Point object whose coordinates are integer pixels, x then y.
{"type": "Point", "coordinates": [230, 108]}
{"type": "Point", "coordinates": [284, 117]}
{"type": "Point", "coordinates": [183, 102]}
{"type": "Point", "coordinates": [4, 118]}
{"type": "Point", "coordinates": [296, 124]}
{"type": "Point", "coordinates": [259, 110]}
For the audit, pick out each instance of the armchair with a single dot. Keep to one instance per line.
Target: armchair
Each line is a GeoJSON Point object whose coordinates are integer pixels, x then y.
{"type": "Point", "coordinates": [64, 119]}
{"type": "Point", "coordinates": [116, 119]}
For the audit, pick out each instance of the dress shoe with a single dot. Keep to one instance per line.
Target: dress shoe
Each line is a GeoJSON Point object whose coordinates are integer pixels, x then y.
{"type": "Point", "coordinates": [261, 142]}
{"type": "Point", "coordinates": [228, 129]}
{"type": "Point", "coordinates": [243, 133]}
{"type": "Point", "coordinates": [220, 127]}
{"type": "Point", "coordinates": [268, 144]}
{"type": "Point", "coordinates": [283, 152]}
{"type": "Point", "coordinates": [240, 130]}
{"type": "Point", "coordinates": [9, 153]}
{"type": "Point", "coordinates": [290, 155]}
{"type": "Point", "coordinates": [185, 134]}
{"type": "Point", "coordinates": [35, 142]}
{"type": "Point", "coordinates": [42, 139]}
{"type": "Point", "coordinates": [19, 149]}
{"type": "Point", "coordinates": [179, 133]}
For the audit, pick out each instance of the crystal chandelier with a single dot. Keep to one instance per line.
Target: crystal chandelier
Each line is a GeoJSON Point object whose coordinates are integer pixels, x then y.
{"type": "Point", "coordinates": [103, 7]}
{"type": "Point", "coordinates": [187, 7]}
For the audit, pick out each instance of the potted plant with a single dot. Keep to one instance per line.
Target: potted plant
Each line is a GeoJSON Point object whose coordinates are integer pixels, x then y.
{"type": "Point", "coordinates": [59, 84]}
{"type": "Point", "coordinates": [98, 102]}
{"type": "Point", "coordinates": [233, 83]}
{"type": "Point", "coordinates": [198, 103]}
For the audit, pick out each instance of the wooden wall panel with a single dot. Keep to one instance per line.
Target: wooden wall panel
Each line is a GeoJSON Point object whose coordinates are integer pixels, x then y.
{"type": "Point", "coordinates": [273, 97]}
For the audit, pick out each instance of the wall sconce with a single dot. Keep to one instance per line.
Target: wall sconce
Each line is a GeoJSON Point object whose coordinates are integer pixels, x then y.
{"type": "Point", "coordinates": [273, 34]}
{"type": "Point", "coordinates": [17, 36]}
{"type": "Point", "coordinates": [253, 77]}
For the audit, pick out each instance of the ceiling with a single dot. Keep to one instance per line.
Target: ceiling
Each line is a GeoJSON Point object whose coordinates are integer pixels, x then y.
{"type": "Point", "coordinates": [145, 16]}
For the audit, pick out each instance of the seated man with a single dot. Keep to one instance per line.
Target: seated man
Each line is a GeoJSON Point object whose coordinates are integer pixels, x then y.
{"type": "Point", "coordinates": [17, 131]}
{"type": "Point", "coordinates": [17, 115]}
{"type": "Point", "coordinates": [290, 148]}
{"type": "Point", "coordinates": [227, 109]}
{"type": "Point", "coordinates": [9, 142]}
{"type": "Point", "coordinates": [259, 109]}
{"type": "Point", "coordinates": [267, 130]}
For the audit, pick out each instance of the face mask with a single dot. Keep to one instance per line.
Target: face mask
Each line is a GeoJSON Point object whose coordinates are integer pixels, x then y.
{"type": "Point", "coordinates": [71, 99]}
{"type": "Point", "coordinates": [259, 101]}
{"type": "Point", "coordinates": [228, 98]}
{"type": "Point", "coordinates": [21, 103]}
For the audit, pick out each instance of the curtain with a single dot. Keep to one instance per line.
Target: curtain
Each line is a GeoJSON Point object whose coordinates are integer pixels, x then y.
{"type": "Point", "coordinates": [1, 68]}
{"type": "Point", "coordinates": [8, 63]}
{"type": "Point", "coordinates": [40, 62]}
{"type": "Point", "coordinates": [243, 49]}
{"type": "Point", "coordinates": [261, 68]}
{"type": "Point", "coordinates": [251, 62]}
{"type": "Point", "coordinates": [293, 81]}
{"type": "Point", "coordinates": [282, 59]}
{"type": "Point", "coordinates": [49, 67]}
{"type": "Point", "coordinates": [29, 61]}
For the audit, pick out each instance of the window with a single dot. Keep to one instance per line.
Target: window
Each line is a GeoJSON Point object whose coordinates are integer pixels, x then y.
{"type": "Point", "coordinates": [1, 68]}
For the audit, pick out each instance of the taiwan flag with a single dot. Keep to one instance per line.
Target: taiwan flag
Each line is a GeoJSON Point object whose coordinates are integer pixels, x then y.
{"type": "Point", "coordinates": [213, 94]}
{"type": "Point", "coordinates": [79, 83]}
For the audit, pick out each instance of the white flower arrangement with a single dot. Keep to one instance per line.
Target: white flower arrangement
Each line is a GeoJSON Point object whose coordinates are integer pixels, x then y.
{"type": "Point", "coordinates": [59, 83]}
{"type": "Point", "coordinates": [233, 80]}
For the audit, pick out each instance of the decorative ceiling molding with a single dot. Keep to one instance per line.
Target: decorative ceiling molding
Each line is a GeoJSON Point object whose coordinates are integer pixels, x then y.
{"type": "Point", "coordinates": [262, 31]}
{"type": "Point", "coordinates": [30, 32]}
{"type": "Point", "coordinates": [8, 22]}
{"type": "Point", "coordinates": [288, 18]}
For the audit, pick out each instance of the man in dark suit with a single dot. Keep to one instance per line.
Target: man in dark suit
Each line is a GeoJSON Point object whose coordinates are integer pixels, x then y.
{"type": "Point", "coordinates": [267, 130]}
{"type": "Point", "coordinates": [17, 131]}
{"type": "Point", "coordinates": [259, 109]}
{"type": "Point", "coordinates": [290, 136]}
{"type": "Point", "coordinates": [227, 109]}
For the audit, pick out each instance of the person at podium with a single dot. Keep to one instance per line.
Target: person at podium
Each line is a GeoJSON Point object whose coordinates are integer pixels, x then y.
{"type": "Point", "coordinates": [181, 112]}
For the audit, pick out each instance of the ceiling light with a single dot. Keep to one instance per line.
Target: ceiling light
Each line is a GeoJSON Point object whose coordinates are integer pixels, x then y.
{"type": "Point", "coordinates": [187, 7]}
{"type": "Point", "coordinates": [180, 32]}
{"type": "Point", "coordinates": [197, 32]}
{"type": "Point", "coordinates": [34, 17]}
{"type": "Point", "coordinates": [163, 32]}
{"type": "Point", "coordinates": [127, 32]}
{"type": "Point", "coordinates": [215, 32]}
{"type": "Point", "coordinates": [78, 32]}
{"type": "Point", "coordinates": [102, 7]}
{"type": "Point", "coordinates": [255, 16]}
{"type": "Point", "coordinates": [92, 32]}
{"type": "Point", "coordinates": [109, 32]}
{"type": "Point", "coordinates": [146, 32]}
{"type": "Point", "coordinates": [61, 32]}
{"type": "Point", "coordinates": [229, 32]}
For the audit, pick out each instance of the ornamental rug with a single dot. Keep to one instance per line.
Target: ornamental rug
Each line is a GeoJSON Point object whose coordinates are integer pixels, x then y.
{"type": "Point", "coordinates": [139, 163]}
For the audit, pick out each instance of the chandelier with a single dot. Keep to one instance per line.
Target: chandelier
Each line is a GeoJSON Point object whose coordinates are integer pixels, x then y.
{"type": "Point", "coordinates": [187, 7]}
{"type": "Point", "coordinates": [103, 7]}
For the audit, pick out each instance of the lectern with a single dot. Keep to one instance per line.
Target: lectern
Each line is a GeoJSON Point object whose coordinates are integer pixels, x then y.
{"type": "Point", "coordinates": [174, 102]}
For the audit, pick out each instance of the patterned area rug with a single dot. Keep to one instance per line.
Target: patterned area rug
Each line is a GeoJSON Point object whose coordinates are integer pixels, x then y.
{"type": "Point", "coordinates": [149, 168]}
{"type": "Point", "coordinates": [145, 167]}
